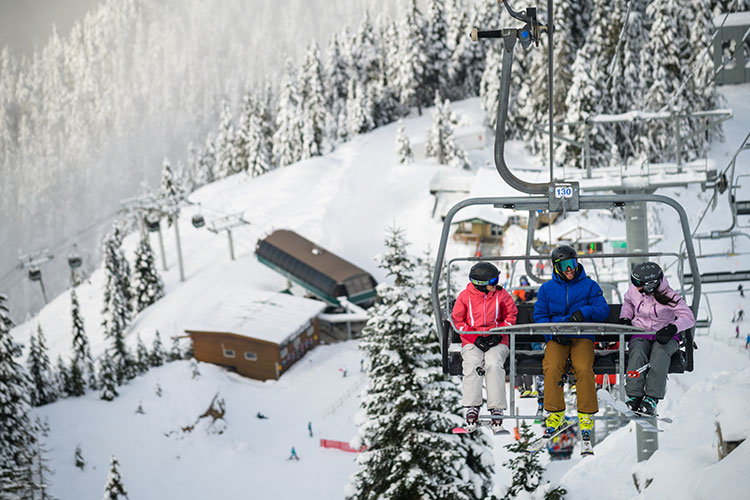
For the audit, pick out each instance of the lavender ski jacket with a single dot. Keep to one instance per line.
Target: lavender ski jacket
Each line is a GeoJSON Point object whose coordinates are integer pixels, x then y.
{"type": "Point", "coordinates": [647, 314]}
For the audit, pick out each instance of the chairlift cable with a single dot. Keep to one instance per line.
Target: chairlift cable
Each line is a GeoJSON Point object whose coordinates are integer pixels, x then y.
{"type": "Point", "coordinates": [612, 63]}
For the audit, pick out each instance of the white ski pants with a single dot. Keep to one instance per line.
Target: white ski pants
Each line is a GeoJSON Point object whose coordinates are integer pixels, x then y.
{"type": "Point", "coordinates": [492, 362]}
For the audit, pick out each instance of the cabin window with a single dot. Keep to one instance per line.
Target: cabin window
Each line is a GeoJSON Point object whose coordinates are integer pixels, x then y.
{"type": "Point", "coordinates": [229, 353]}
{"type": "Point", "coordinates": [296, 343]}
{"type": "Point", "coordinates": [251, 356]}
{"type": "Point", "coordinates": [283, 352]}
{"type": "Point", "coordinates": [310, 331]}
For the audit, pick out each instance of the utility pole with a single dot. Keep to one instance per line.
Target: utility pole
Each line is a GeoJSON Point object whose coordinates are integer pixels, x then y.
{"type": "Point", "coordinates": [32, 261]}
{"type": "Point", "coordinates": [226, 224]}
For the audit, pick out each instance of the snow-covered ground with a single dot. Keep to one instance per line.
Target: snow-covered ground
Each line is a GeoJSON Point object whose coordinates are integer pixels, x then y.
{"type": "Point", "coordinates": [345, 202]}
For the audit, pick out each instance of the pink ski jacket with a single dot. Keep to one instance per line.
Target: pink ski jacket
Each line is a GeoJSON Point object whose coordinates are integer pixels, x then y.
{"type": "Point", "coordinates": [477, 311]}
{"type": "Point", "coordinates": [648, 314]}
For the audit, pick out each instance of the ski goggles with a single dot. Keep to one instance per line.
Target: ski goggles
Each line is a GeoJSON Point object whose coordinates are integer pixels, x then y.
{"type": "Point", "coordinates": [648, 286]}
{"type": "Point", "coordinates": [492, 282]}
{"type": "Point", "coordinates": [566, 264]}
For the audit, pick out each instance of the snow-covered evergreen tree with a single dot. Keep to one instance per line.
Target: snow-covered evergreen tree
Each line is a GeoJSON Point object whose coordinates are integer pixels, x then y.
{"type": "Point", "coordinates": [468, 58]}
{"type": "Point", "coordinates": [408, 404]}
{"type": "Point", "coordinates": [411, 57]}
{"type": "Point", "coordinates": [287, 140]}
{"type": "Point", "coordinates": [43, 388]}
{"type": "Point", "coordinates": [142, 357]}
{"type": "Point", "coordinates": [81, 348]}
{"type": "Point", "coordinates": [78, 458]}
{"type": "Point", "coordinates": [242, 136]}
{"type": "Point", "coordinates": [437, 64]}
{"type": "Point", "coordinates": [107, 378]}
{"type": "Point", "coordinates": [336, 70]}
{"type": "Point", "coordinates": [525, 467]}
{"type": "Point", "coordinates": [116, 300]}
{"type": "Point", "coordinates": [114, 489]}
{"type": "Point", "coordinates": [225, 140]}
{"type": "Point", "coordinates": [364, 53]}
{"type": "Point", "coordinates": [148, 284]}
{"type": "Point", "coordinates": [169, 187]}
{"type": "Point", "coordinates": [403, 145]}
{"type": "Point", "coordinates": [40, 471]}
{"type": "Point", "coordinates": [158, 355]}
{"type": "Point", "coordinates": [175, 352]}
{"type": "Point", "coordinates": [258, 155]}
{"type": "Point", "coordinates": [489, 86]}
{"type": "Point", "coordinates": [17, 431]}
{"type": "Point", "coordinates": [662, 69]}
{"type": "Point", "coordinates": [62, 376]}
{"type": "Point", "coordinates": [358, 110]}
{"type": "Point", "coordinates": [314, 112]}
{"type": "Point", "coordinates": [206, 164]}
{"type": "Point", "coordinates": [441, 142]}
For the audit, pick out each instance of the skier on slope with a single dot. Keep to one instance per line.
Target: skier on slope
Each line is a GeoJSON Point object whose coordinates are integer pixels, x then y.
{"type": "Point", "coordinates": [481, 306]}
{"type": "Point", "coordinates": [570, 296]}
{"type": "Point", "coordinates": [652, 305]}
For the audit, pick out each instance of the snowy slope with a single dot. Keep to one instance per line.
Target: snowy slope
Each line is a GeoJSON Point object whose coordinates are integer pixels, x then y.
{"type": "Point", "coordinates": [344, 202]}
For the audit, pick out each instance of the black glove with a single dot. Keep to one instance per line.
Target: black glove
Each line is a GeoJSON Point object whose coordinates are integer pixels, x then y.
{"type": "Point", "coordinates": [562, 340]}
{"type": "Point", "coordinates": [665, 334]}
{"type": "Point", "coordinates": [485, 342]}
{"type": "Point", "coordinates": [576, 317]}
{"type": "Point", "coordinates": [626, 321]}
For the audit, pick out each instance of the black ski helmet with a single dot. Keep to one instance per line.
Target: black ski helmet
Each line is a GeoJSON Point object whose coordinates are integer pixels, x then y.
{"type": "Point", "coordinates": [647, 275]}
{"type": "Point", "coordinates": [561, 253]}
{"type": "Point", "coordinates": [523, 281]}
{"type": "Point", "coordinates": [483, 274]}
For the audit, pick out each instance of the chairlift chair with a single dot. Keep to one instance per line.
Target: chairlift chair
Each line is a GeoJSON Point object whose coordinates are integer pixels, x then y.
{"type": "Point", "coordinates": [152, 222]}
{"type": "Point", "coordinates": [551, 197]}
{"type": "Point", "coordinates": [198, 221]}
{"type": "Point", "coordinates": [35, 274]}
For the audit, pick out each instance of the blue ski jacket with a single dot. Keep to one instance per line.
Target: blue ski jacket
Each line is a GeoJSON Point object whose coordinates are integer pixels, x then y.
{"type": "Point", "coordinates": [558, 299]}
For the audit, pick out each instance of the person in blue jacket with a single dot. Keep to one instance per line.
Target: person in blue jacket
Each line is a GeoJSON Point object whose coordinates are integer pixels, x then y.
{"type": "Point", "coordinates": [570, 296]}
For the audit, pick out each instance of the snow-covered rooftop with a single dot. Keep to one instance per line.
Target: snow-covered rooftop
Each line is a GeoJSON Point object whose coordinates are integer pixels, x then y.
{"type": "Point", "coordinates": [254, 313]}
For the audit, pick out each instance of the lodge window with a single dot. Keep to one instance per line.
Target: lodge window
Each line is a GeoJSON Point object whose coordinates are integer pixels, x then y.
{"type": "Point", "coordinates": [229, 353]}
{"type": "Point", "coordinates": [296, 343]}
{"type": "Point", "coordinates": [283, 353]}
{"type": "Point", "coordinates": [251, 356]}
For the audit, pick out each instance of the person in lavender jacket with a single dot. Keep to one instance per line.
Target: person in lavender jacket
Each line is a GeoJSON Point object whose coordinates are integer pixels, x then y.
{"type": "Point", "coordinates": [650, 304]}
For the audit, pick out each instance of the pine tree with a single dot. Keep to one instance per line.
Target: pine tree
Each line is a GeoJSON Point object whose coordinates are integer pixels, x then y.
{"type": "Point", "coordinates": [169, 188]}
{"type": "Point", "coordinates": [314, 113]}
{"type": "Point", "coordinates": [441, 142]}
{"type": "Point", "coordinates": [17, 431]}
{"type": "Point", "coordinates": [258, 155]}
{"type": "Point", "coordinates": [107, 378]}
{"type": "Point", "coordinates": [142, 357]}
{"type": "Point", "coordinates": [40, 470]}
{"type": "Point", "coordinates": [81, 349]}
{"type": "Point", "coordinates": [175, 353]}
{"type": "Point", "coordinates": [206, 164]}
{"type": "Point", "coordinates": [468, 58]}
{"type": "Point", "coordinates": [241, 148]}
{"type": "Point", "coordinates": [336, 70]}
{"type": "Point", "coordinates": [42, 384]}
{"type": "Point", "coordinates": [411, 57]}
{"type": "Point", "coordinates": [287, 140]}
{"type": "Point", "coordinates": [148, 284]}
{"type": "Point", "coordinates": [158, 356]}
{"type": "Point", "coordinates": [114, 489]}
{"type": "Point", "coordinates": [409, 403]}
{"type": "Point", "coordinates": [489, 86]}
{"type": "Point", "coordinates": [437, 64]}
{"type": "Point", "coordinates": [403, 145]}
{"type": "Point", "coordinates": [525, 468]}
{"type": "Point", "coordinates": [225, 140]}
{"type": "Point", "coordinates": [62, 377]}
{"type": "Point", "coordinates": [116, 299]}
{"type": "Point", "coordinates": [358, 110]}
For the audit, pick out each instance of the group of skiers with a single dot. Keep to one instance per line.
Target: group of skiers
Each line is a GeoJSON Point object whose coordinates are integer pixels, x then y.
{"type": "Point", "coordinates": [570, 296]}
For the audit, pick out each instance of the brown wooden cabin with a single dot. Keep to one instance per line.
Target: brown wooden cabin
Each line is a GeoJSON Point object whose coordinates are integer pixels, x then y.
{"type": "Point", "coordinates": [257, 334]}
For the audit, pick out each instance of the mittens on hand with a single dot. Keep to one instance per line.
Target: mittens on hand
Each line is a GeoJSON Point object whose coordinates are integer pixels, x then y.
{"type": "Point", "coordinates": [626, 321]}
{"type": "Point", "coordinates": [665, 334]}
{"type": "Point", "coordinates": [576, 317]}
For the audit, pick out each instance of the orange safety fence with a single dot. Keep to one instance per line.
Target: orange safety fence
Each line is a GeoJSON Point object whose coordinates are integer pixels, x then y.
{"type": "Point", "coordinates": [340, 445]}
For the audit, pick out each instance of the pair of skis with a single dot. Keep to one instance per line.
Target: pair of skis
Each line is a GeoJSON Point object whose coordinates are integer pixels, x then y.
{"type": "Point", "coordinates": [484, 421]}
{"type": "Point", "coordinates": [641, 419]}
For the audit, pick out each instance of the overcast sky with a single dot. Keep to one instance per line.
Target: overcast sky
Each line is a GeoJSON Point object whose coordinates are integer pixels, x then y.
{"type": "Point", "coordinates": [26, 23]}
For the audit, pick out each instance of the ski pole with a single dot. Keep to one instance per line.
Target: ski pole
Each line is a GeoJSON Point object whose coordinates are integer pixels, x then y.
{"type": "Point", "coordinates": [637, 373]}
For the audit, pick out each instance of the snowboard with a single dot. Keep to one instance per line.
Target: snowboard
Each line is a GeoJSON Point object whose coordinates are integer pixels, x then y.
{"type": "Point", "coordinates": [606, 398]}
{"type": "Point", "coordinates": [541, 443]}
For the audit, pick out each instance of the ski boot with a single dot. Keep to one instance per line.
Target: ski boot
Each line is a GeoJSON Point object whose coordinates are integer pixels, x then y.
{"type": "Point", "coordinates": [634, 402]}
{"type": "Point", "coordinates": [472, 418]}
{"type": "Point", "coordinates": [497, 423]}
{"type": "Point", "coordinates": [553, 421]}
{"type": "Point", "coordinates": [586, 424]}
{"type": "Point", "coordinates": [648, 405]}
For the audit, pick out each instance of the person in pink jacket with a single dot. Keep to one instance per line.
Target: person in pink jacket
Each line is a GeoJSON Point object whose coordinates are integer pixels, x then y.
{"type": "Point", "coordinates": [481, 306]}
{"type": "Point", "coordinates": [650, 304]}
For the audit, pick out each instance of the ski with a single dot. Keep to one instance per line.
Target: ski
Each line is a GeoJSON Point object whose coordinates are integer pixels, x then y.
{"type": "Point", "coordinates": [541, 443]}
{"type": "Point", "coordinates": [606, 398]}
{"type": "Point", "coordinates": [586, 448]}
{"type": "Point", "coordinates": [666, 420]}
{"type": "Point", "coordinates": [483, 422]}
